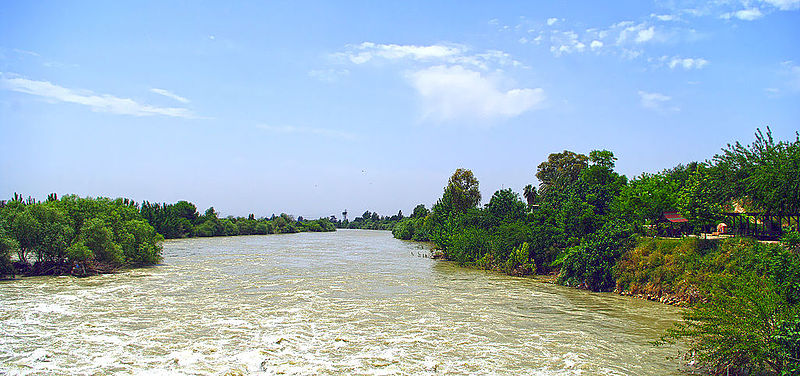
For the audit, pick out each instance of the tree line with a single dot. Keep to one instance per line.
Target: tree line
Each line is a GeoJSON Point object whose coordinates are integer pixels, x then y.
{"type": "Point", "coordinates": [83, 236]}
{"type": "Point", "coordinates": [182, 220]}
{"type": "Point", "coordinates": [369, 221]}
{"type": "Point", "coordinates": [593, 228]}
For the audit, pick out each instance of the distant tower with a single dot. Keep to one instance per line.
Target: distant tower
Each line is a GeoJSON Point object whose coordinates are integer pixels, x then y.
{"type": "Point", "coordinates": [344, 214]}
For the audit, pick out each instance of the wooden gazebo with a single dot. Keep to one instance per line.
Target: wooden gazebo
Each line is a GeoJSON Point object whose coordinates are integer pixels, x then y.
{"type": "Point", "coordinates": [673, 223]}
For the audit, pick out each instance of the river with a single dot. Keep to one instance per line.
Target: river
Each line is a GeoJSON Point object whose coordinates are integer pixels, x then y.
{"type": "Point", "coordinates": [347, 302]}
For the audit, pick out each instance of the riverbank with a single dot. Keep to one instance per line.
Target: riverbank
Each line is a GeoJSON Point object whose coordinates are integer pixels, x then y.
{"type": "Point", "coordinates": [62, 268]}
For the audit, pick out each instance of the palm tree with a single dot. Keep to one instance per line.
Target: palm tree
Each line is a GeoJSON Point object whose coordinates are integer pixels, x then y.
{"type": "Point", "coordinates": [530, 195]}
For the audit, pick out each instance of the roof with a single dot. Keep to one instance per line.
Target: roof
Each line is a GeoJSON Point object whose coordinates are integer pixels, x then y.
{"type": "Point", "coordinates": [674, 217]}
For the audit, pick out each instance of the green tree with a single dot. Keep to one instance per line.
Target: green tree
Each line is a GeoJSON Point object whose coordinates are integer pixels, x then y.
{"type": "Point", "coordinates": [56, 232]}
{"type": "Point", "coordinates": [697, 201]}
{"type": "Point", "coordinates": [98, 237]}
{"type": "Point", "coordinates": [506, 206]}
{"type": "Point", "coordinates": [187, 210]}
{"type": "Point", "coordinates": [464, 190]}
{"type": "Point", "coordinates": [647, 197]}
{"type": "Point", "coordinates": [602, 158]}
{"type": "Point", "coordinates": [766, 173]}
{"type": "Point", "coordinates": [560, 170]}
{"type": "Point", "coordinates": [530, 194]}
{"type": "Point", "coordinates": [6, 245]}
{"type": "Point", "coordinates": [420, 211]}
{"type": "Point", "coordinates": [26, 230]}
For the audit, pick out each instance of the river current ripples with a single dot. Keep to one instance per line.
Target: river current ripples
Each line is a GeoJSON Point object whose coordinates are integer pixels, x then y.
{"type": "Point", "coordinates": [348, 302]}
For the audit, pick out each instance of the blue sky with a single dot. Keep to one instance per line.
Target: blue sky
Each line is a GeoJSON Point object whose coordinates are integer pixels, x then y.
{"type": "Point", "coordinates": [311, 108]}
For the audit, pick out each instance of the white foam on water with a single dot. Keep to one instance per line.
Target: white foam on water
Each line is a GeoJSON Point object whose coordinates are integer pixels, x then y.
{"type": "Point", "coordinates": [52, 308]}
{"type": "Point", "coordinates": [184, 358]}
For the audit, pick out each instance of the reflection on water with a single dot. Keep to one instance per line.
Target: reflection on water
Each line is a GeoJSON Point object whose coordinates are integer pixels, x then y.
{"type": "Point", "coordinates": [352, 302]}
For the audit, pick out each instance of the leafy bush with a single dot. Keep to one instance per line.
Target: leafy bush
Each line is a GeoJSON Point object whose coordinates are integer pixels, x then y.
{"type": "Point", "coordinates": [663, 265]}
{"type": "Point", "coordinates": [508, 236]}
{"type": "Point", "coordinates": [468, 245]}
{"type": "Point", "coordinates": [205, 229]}
{"type": "Point", "coordinates": [788, 340]}
{"type": "Point", "coordinates": [99, 239]}
{"type": "Point", "coordinates": [590, 265]}
{"type": "Point", "coordinates": [744, 326]}
{"type": "Point", "coordinates": [228, 228]}
{"type": "Point", "coordinates": [143, 245]}
{"type": "Point", "coordinates": [6, 245]}
{"type": "Point", "coordinates": [404, 229]}
{"type": "Point", "coordinates": [78, 251]}
{"type": "Point", "coordinates": [519, 262]}
{"type": "Point", "coordinates": [791, 241]}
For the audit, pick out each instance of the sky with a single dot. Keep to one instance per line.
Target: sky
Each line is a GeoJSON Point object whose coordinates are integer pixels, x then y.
{"type": "Point", "coordinates": [311, 108]}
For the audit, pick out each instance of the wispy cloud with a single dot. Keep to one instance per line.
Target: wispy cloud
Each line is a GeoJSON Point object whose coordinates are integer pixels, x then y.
{"type": "Point", "coordinates": [687, 63]}
{"type": "Point", "coordinates": [664, 17]}
{"type": "Point", "coordinates": [565, 42]}
{"type": "Point", "coordinates": [96, 102]}
{"type": "Point", "coordinates": [26, 52]}
{"type": "Point", "coordinates": [746, 10]}
{"type": "Point", "coordinates": [367, 51]}
{"type": "Point", "coordinates": [744, 14]}
{"type": "Point", "coordinates": [678, 62]}
{"type": "Point", "coordinates": [455, 92]}
{"type": "Point", "coordinates": [656, 101]}
{"type": "Point", "coordinates": [311, 131]}
{"type": "Point", "coordinates": [784, 4]}
{"type": "Point", "coordinates": [431, 54]}
{"type": "Point", "coordinates": [170, 94]}
{"type": "Point", "coordinates": [451, 80]}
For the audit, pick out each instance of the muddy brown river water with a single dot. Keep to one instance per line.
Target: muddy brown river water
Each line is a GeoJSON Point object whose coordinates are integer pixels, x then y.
{"type": "Point", "coordinates": [348, 302]}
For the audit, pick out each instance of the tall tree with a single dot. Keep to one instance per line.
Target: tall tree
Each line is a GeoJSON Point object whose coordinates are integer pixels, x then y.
{"type": "Point", "coordinates": [530, 194]}
{"type": "Point", "coordinates": [560, 170]}
{"type": "Point", "coordinates": [767, 173]}
{"type": "Point", "coordinates": [420, 211]}
{"type": "Point", "coordinates": [464, 190]}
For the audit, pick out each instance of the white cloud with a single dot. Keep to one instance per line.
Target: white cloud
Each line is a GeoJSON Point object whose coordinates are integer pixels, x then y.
{"type": "Point", "coordinates": [436, 54]}
{"type": "Point", "coordinates": [631, 32]}
{"type": "Point", "coordinates": [552, 21]}
{"type": "Point", "coordinates": [455, 92]}
{"type": "Point", "coordinates": [323, 132]}
{"type": "Point", "coordinates": [169, 94]}
{"type": "Point", "coordinates": [565, 42]}
{"type": "Point", "coordinates": [97, 102]}
{"type": "Point", "coordinates": [367, 51]}
{"type": "Point", "coordinates": [687, 63]}
{"type": "Point", "coordinates": [655, 101]}
{"type": "Point", "coordinates": [645, 35]}
{"type": "Point", "coordinates": [596, 44]}
{"type": "Point", "coordinates": [784, 4]}
{"type": "Point", "coordinates": [664, 17]}
{"type": "Point", "coordinates": [630, 54]}
{"type": "Point", "coordinates": [745, 14]}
